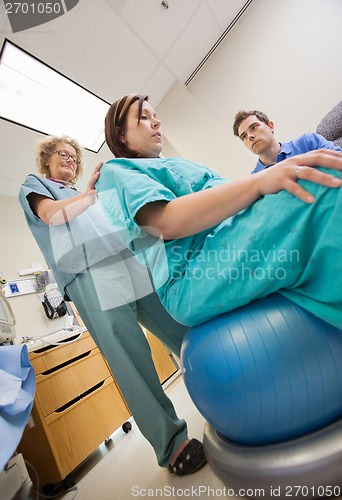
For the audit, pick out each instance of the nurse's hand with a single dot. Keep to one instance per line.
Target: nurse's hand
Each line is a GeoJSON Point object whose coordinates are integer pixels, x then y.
{"type": "Point", "coordinates": [284, 175]}
{"type": "Point", "coordinates": [90, 190]}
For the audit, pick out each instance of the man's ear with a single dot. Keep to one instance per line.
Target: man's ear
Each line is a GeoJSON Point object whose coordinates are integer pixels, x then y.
{"type": "Point", "coordinates": [271, 126]}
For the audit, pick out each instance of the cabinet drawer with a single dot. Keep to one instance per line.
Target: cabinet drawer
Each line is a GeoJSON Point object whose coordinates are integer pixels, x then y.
{"type": "Point", "coordinates": [46, 359]}
{"type": "Point", "coordinates": [56, 389]}
{"type": "Point", "coordinates": [78, 430]}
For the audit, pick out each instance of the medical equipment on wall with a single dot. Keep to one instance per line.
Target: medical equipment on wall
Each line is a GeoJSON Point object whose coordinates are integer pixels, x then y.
{"type": "Point", "coordinates": [7, 321]}
{"type": "Point", "coordinates": [53, 303]}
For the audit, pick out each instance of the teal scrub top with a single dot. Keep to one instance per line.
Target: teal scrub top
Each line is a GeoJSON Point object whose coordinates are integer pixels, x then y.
{"type": "Point", "coordinates": [277, 244]}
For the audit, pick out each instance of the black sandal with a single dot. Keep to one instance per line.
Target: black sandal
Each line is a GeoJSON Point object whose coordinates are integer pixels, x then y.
{"type": "Point", "coordinates": [190, 459]}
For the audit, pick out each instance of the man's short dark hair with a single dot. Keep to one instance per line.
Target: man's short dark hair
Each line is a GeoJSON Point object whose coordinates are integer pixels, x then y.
{"type": "Point", "coordinates": [242, 115]}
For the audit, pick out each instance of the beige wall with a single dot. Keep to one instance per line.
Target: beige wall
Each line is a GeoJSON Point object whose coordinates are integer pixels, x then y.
{"type": "Point", "coordinates": [18, 250]}
{"type": "Point", "coordinates": [283, 57]}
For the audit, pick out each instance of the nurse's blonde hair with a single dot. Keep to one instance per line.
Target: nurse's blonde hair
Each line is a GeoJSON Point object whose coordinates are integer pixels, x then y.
{"type": "Point", "coordinates": [47, 147]}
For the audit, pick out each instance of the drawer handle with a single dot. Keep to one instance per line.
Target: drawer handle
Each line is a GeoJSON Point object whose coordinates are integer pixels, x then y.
{"type": "Point", "coordinates": [78, 398]}
{"type": "Point", "coordinates": [63, 342]}
{"type": "Point", "coordinates": [66, 363]}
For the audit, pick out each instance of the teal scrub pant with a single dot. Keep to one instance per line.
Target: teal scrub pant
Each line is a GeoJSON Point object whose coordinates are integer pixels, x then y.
{"type": "Point", "coordinates": [122, 342]}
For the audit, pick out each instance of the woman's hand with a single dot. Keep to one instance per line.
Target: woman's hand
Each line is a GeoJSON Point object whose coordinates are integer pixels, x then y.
{"type": "Point", "coordinates": [90, 189]}
{"type": "Point", "coordinates": [284, 175]}
{"type": "Point", "coordinates": [57, 212]}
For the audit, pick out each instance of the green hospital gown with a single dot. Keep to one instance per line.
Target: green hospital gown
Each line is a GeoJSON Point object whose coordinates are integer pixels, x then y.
{"type": "Point", "coordinates": [277, 244]}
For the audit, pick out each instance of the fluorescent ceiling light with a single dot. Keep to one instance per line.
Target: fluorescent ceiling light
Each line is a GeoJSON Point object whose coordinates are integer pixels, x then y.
{"type": "Point", "coordinates": [38, 97]}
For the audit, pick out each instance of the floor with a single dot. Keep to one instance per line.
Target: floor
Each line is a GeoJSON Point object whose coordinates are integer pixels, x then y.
{"type": "Point", "coordinates": [126, 467]}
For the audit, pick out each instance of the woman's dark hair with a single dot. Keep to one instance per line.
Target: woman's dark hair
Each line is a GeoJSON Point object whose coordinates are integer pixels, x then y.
{"type": "Point", "coordinates": [115, 124]}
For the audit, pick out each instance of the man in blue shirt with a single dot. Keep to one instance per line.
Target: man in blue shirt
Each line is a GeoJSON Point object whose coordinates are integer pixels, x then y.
{"type": "Point", "coordinates": [256, 131]}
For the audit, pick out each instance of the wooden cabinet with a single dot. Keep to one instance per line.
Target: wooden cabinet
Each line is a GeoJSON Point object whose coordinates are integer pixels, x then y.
{"type": "Point", "coordinates": [77, 406]}
{"type": "Point", "coordinates": [162, 358]}
{"type": "Point", "coordinates": [163, 362]}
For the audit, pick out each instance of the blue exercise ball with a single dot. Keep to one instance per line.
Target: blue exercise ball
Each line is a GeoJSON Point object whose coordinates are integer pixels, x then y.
{"type": "Point", "coordinates": [266, 372]}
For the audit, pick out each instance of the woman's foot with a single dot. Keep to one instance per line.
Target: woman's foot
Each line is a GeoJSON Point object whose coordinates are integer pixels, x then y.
{"type": "Point", "coordinates": [179, 450]}
{"type": "Point", "coordinates": [188, 458]}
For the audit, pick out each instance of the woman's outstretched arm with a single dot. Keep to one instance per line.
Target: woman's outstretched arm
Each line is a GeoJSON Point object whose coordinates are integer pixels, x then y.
{"type": "Point", "coordinates": [195, 212]}
{"type": "Point", "coordinates": [58, 211]}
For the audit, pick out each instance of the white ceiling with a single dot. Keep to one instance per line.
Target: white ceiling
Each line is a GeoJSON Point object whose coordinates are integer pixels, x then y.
{"type": "Point", "coordinates": [114, 47]}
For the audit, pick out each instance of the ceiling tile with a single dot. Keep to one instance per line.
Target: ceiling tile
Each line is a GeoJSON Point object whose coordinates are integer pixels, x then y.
{"type": "Point", "coordinates": [193, 44]}
{"type": "Point", "coordinates": [224, 11]}
{"type": "Point", "coordinates": [114, 4]}
{"type": "Point", "coordinates": [158, 85]}
{"type": "Point", "coordinates": [158, 28]}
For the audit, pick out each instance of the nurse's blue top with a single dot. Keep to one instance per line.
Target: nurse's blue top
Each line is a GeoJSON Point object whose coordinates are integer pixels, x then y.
{"type": "Point", "coordinates": [277, 244]}
{"type": "Point", "coordinates": [72, 247]}
{"type": "Point", "coordinates": [303, 144]}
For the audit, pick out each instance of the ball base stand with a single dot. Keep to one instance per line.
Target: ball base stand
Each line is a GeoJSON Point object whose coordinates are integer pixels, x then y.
{"type": "Point", "coordinates": [307, 467]}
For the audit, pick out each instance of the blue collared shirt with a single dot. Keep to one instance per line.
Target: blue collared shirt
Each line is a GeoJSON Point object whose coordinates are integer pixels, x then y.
{"type": "Point", "coordinates": [303, 144]}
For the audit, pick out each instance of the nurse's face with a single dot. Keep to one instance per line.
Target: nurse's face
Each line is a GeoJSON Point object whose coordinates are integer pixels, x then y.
{"type": "Point", "coordinates": [63, 162]}
{"type": "Point", "coordinates": [145, 136]}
